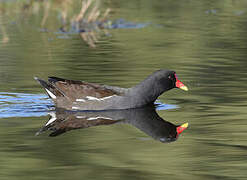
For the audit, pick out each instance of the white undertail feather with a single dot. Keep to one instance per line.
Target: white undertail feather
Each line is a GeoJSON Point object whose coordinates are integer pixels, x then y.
{"type": "Point", "coordinates": [53, 118]}
{"type": "Point", "coordinates": [50, 94]}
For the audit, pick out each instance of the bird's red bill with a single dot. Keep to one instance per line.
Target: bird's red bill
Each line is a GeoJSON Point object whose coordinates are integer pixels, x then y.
{"type": "Point", "coordinates": [180, 85]}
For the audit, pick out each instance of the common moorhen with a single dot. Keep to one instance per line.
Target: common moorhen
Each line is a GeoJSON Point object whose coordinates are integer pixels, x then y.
{"type": "Point", "coordinates": [80, 95]}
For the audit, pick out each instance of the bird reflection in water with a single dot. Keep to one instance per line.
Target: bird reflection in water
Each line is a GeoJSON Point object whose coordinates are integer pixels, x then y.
{"type": "Point", "coordinates": [145, 119]}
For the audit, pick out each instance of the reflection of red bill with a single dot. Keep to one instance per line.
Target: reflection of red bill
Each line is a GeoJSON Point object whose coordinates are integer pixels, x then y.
{"type": "Point", "coordinates": [180, 85]}
{"type": "Point", "coordinates": [181, 128]}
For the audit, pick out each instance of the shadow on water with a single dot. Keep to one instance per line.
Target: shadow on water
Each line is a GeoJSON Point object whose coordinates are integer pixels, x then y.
{"type": "Point", "coordinates": [145, 119]}
{"type": "Point", "coordinates": [36, 105]}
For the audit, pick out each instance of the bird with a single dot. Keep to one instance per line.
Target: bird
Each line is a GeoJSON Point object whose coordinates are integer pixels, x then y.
{"type": "Point", "coordinates": [146, 119]}
{"type": "Point", "coordinates": [80, 95]}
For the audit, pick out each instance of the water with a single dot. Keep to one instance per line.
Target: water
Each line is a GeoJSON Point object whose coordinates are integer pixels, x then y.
{"type": "Point", "coordinates": [24, 105]}
{"type": "Point", "coordinates": [203, 41]}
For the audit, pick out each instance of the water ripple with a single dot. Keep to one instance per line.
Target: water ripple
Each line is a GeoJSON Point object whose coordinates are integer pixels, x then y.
{"type": "Point", "coordinates": [23, 105]}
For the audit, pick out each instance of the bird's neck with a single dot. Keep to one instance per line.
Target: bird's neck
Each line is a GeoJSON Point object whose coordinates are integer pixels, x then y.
{"type": "Point", "coordinates": [146, 92]}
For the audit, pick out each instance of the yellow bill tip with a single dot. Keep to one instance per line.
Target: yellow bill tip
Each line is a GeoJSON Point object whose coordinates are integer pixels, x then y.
{"type": "Point", "coordinates": [184, 88]}
{"type": "Point", "coordinates": [185, 125]}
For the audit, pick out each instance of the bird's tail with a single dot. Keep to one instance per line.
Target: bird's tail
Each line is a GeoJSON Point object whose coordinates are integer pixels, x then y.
{"type": "Point", "coordinates": [52, 91]}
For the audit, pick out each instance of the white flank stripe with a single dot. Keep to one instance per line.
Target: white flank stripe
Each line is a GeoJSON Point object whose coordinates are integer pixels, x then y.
{"type": "Point", "coordinates": [50, 94]}
{"type": "Point", "coordinates": [90, 98]}
{"type": "Point", "coordinates": [108, 97]}
{"type": "Point", "coordinates": [53, 118]}
{"type": "Point", "coordinates": [73, 107]}
{"type": "Point", "coordinates": [80, 117]}
{"type": "Point", "coordinates": [98, 117]}
{"type": "Point", "coordinates": [80, 100]}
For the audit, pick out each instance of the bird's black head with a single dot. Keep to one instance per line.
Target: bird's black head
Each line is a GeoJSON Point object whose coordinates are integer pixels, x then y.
{"type": "Point", "coordinates": [168, 80]}
{"type": "Point", "coordinates": [153, 86]}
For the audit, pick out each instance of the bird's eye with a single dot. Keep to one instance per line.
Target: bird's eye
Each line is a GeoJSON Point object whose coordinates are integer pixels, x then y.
{"type": "Point", "coordinates": [171, 77]}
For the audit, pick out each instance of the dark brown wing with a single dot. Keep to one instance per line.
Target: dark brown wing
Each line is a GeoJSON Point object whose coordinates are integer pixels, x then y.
{"type": "Point", "coordinates": [80, 89]}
